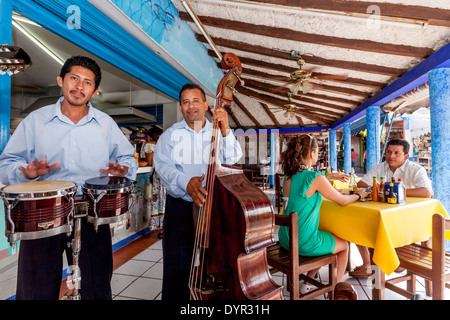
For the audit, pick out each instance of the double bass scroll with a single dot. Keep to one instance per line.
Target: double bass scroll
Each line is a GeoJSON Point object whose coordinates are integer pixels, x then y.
{"type": "Point", "coordinates": [235, 225]}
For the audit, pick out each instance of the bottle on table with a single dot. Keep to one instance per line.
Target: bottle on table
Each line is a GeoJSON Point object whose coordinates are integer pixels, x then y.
{"type": "Point", "coordinates": [391, 198]}
{"type": "Point", "coordinates": [352, 184]}
{"type": "Point", "coordinates": [401, 191]}
{"type": "Point", "coordinates": [381, 197]}
{"type": "Point", "coordinates": [374, 189]}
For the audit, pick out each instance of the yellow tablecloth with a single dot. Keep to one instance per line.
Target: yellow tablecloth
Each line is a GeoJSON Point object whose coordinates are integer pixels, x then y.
{"type": "Point", "coordinates": [381, 226]}
{"type": "Point", "coordinates": [342, 185]}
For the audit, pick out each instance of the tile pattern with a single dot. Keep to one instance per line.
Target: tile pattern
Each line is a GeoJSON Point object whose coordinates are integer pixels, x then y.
{"type": "Point", "coordinates": [140, 276]}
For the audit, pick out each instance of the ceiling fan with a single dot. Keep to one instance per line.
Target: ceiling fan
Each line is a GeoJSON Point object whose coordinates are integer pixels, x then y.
{"type": "Point", "coordinates": [298, 79]}
{"type": "Point", "coordinates": [288, 108]}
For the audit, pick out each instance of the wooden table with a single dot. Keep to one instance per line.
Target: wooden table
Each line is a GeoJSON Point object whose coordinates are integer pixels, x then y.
{"type": "Point", "coordinates": [381, 226]}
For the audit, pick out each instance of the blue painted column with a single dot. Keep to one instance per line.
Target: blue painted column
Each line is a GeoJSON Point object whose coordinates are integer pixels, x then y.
{"type": "Point", "coordinates": [347, 148]}
{"type": "Point", "coordinates": [273, 158]}
{"type": "Point", "coordinates": [440, 133]}
{"type": "Point", "coordinates": [332, 146]}
{"type": "Point", "coordinates": [5, 80]}
{"type": "Point", "coordinates": [373, 136]}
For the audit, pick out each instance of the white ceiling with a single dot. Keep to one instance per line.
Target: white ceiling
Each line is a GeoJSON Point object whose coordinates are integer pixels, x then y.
{"type": "Point", "coordinates": [372, 43]}
{"type": "Point", "coordinates": [39, 80]}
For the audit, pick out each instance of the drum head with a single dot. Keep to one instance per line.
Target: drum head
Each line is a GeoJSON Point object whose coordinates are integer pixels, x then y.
{"type": "Point", "coordinates": [37, 188]}
{"type": "Point", "coordinates": [107, 183]}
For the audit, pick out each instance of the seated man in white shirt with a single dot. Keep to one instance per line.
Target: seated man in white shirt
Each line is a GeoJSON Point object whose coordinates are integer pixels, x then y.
{"type": "Point", "coordinates": [397, 165]}
{"type": "Point", "coordinates": [414, 176]}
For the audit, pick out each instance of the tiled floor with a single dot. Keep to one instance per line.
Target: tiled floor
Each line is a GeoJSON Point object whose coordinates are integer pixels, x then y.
{"type": "Point", "coordinates": [139, 272]}
{"type": "Point", "coordinates": [141, 276]}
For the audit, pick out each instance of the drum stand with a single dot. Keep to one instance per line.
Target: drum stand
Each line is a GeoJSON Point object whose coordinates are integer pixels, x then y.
{"type": "Point", "coordinates": [74, 280]}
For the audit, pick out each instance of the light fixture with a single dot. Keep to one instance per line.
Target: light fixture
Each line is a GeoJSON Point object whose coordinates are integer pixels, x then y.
{"type": "Point", "coordinates": [199, 25]}
{"type": "Point", "coordinates": [37, 42]}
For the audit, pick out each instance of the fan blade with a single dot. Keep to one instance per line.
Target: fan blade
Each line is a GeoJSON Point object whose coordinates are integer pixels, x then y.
{"type": "Point", "coordinates": [331, 77]}
{"type": "Point", "coordinates": [279, 89]}
{"type": "Point", "coordinates": [280, 78]}
{"type": "Point", "coordinates": [295, 87]}
{"type": "Point", "coordinates": [307, 86]}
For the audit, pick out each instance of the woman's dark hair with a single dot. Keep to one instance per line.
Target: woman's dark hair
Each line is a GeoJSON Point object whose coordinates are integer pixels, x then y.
{"type": "Point", "coordinates": [298, 148]}
{"type": "Point", "coordinates": [399, 142]}
{"type": "Point", "coordinates": [154, 133]}
{"type": "Point", "coordinates": [84, 62]}
{"type": "Point", "coordinates": [191, 86]}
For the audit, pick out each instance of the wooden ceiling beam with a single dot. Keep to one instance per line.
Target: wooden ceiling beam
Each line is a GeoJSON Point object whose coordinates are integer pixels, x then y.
{"type": "Point", "coordinates": [434, 16]}
{"type": "Point", "coordinates": [288, 34]}
{"type": "Point", "coordinates": [331, 98]}
{"type": "Point", "coordinates": [341, 64]}
{"type": "Point", "coordinates": [310, 94]}
{"type": "Point", "coordinates": [244, 109]}
{"type": "Point", "coordinates": [288, 70]}
{"type": "Point", "coordinates": [282, 93]}
{"type": "Point", "coordinates": [283, 100]}
{"type": "Point", "coordinates": [270, 114]}
{"type": "Point", "coordinates": [281, 68]}
{"type": "Point", "coordinates": [319, 118]}
{"type": "Point", "coordinates": [300, 121]}
{"type": "Point", "coordinates": [352, 81]}
{"type": "Point", "coordinates": [232, 115]}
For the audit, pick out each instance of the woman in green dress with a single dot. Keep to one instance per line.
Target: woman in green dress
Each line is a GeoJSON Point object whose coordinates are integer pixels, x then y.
{"type": "Point", "coordinates": [304, 190]}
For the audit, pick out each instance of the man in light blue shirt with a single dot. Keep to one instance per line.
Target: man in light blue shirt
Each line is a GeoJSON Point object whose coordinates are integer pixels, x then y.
{"type": "Point", "coordinates": [181, 158]}
{"type": "Point", "coordinates": [69, 141]}
{"type": "Point", "coordinates": [73, 152]}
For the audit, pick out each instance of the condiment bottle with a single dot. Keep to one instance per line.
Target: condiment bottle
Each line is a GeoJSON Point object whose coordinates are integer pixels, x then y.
{"type": "Point", "coordinates": [374, 189]}
{"type": "Point", "coordinates": [352, 184]}
{"type": "Point", "coordinates": [401, 191]}
{"type": "Point", "coordinates": [391, 198]}
{"type": "Point", "coordinates": [381, 197]}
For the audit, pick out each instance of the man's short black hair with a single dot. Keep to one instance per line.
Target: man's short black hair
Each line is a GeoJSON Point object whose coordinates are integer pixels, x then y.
{"type": "Point", "coordinates": [191, 86]}
{"type": "Point", "coordinates": [84, 62]}
{"type": "Point", "coordinates": [399, 142]}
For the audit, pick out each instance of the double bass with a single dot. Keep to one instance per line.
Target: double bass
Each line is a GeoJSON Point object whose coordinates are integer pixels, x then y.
{"type": "Point", "coordinates": [234, 226]}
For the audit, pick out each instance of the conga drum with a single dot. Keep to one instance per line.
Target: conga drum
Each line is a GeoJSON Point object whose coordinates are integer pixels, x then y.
{"type": "Point", "coordinates": [108, 199]}
{"type": "Point", "coordinates": [38, 209]}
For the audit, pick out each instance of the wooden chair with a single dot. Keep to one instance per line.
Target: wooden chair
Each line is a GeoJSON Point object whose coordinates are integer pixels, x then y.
{"type": "Point", "coordinates": [258, 179]}
{"type": "Point", "coordinates": [433, 264]}
{"type": "Point", "coordinates": [278, 191]}
{"type": "Point", "coordinates": [294, 266]}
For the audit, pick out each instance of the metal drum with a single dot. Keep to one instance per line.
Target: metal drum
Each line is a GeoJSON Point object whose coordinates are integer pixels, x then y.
{"type": "Point", "coordinates": [108, 199]}
{"type": "Point", "coordinates": [38, 209]}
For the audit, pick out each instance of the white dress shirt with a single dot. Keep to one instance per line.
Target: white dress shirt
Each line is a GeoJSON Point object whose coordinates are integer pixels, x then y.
{"type": "Point", "coordinates": [181, 154]}
{"type": "Point", "coordinates": [412, 174]}
{"type": "Point", "coordinates": [82, 148]}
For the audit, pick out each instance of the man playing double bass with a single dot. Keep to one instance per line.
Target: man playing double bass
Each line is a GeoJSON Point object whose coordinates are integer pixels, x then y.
{"type": "Point", "coordinates": [181, 159]}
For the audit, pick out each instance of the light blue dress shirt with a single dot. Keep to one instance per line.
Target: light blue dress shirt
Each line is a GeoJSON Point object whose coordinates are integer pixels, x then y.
{"type": "Point", "coordinates": [181, 154]}
{"type": "Point", "coordinates": [82, 149]}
